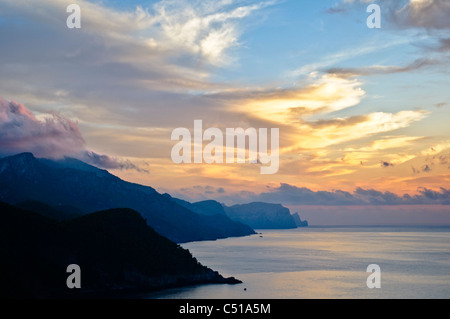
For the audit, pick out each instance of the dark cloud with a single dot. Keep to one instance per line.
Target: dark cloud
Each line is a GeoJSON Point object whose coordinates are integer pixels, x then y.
{"type": "Point", "coordinates": [378, 69]}
{"type": "Point", "coordinates": [444, 45]}
{"type": "Point", "coordinates": [431, 15]}
{"type": "Point", "coordinates": [108, 162]}
{"type": "Point", "coordinates": [431, 162]}
{"type": "Point", "coordinates": [443, 195]}
{"type": "Point", "coordinates": [338, 122]}
{"type": "Point", "coordinates": [291, 195]}
{"type": "Point", "coordinates": [52, 137]}
{"type": "Point", "coordinates": [386, 164]}
{"type": "Point", "coordinates": [335, 10]}
{"type": "Point", "coordinates": [444, 159]}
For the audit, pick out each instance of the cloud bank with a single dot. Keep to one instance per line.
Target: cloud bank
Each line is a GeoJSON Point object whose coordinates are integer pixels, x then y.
{"type": "Point", "coordinates": [428, 14]}
{"type": "Point", "coordinates": [292, 195]}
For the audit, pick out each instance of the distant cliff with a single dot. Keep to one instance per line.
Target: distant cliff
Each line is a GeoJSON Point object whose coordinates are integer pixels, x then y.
{"type": "Point", "coordinates": [256, 215]}
{"type": "Point", "coordinates": [262, 215]}
{"type": "Point", "coordinates": [298, 221]}
{"type": "Point", "coordinates": [116, 250]}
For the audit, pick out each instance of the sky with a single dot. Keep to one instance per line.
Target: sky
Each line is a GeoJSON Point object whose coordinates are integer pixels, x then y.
{"type": "Point", "coordinates": [362, 113]}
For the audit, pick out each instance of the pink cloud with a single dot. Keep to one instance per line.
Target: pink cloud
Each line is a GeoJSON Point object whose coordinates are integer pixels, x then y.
{"type": "Point", "coordinates": [53, 137]}
{"type": "Point", "coordinates": [20, 130]}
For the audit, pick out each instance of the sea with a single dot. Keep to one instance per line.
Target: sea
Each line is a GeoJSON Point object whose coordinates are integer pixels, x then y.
{"type": "Point", "coordinates": [326, 263]}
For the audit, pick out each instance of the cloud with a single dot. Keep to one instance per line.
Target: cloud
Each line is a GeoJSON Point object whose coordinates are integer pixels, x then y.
{"type": "Point", "coordinates": [383, 69]}
{"type": "Point", "coordinates": [303, 113]}
{"type": "Point", "coordinates": [335, 10]}
{"type": "Point", "coordinates": [347, 54]}
{"type": "Point", "coordinates": [437, 157]}
{"type": "Point", "coordinates": [428, 14]}
{"type": "Point", "coordinates": [442, 195]}
{"type": "Point", "coordinates": [318, 94]}
{"type": "Point", "coordinates": [386, 164]}
{"type": "Point", "coordinates": [204, 28]}
{"type": "Point", "coordinates": [53, 136]}
{"type": "Point", "coordinates": [125, 63]}
{"type": "Point", "coordinates": [324, 133]}
{"type": "Point", "coordinates": [108, 162]}
{"type": "Point", "coordinates": [444, 45]}
{"type": "Point", "coordinates": [388, 142]}
{"type": "Point", "coordinates": [417, 16]}
{"type": "Point", "coordinates": [293, 195]}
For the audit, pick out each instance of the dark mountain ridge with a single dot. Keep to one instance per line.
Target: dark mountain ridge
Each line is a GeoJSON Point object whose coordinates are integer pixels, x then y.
{"type": "Point", "coordinates": [73, 183]}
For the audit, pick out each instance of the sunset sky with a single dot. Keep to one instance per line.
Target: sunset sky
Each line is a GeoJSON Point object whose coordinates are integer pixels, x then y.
{"type": "Point", "coordinates": [363, 113]}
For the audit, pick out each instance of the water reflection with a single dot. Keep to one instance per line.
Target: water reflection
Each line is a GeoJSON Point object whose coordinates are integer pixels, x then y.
{"type": "Point", "coordinates": [326, 263]}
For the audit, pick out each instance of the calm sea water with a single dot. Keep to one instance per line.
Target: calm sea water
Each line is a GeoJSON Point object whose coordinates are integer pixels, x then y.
{"type": "Point", "coordinates": [328, 262]}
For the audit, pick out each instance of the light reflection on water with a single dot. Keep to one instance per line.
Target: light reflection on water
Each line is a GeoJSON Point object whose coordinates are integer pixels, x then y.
{"type": "Point", "coordinates": [326, 263]}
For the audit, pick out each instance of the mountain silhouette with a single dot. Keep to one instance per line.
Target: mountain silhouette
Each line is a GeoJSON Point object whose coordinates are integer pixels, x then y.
{"type": "Point", "coordinates": [207, 207]}
{"type": "Point", "coordinates": [117, 252]}
{"type": "Point", "coordinates": [73, 183]}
